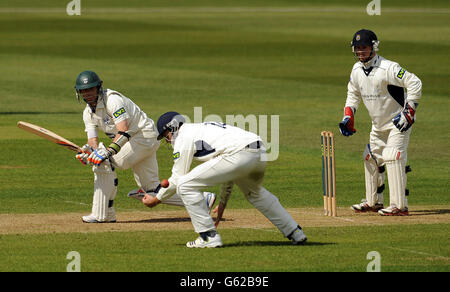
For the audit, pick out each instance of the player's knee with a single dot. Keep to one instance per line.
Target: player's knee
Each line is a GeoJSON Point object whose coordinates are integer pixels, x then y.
{"type": "Point", "coordinates": [262, 199]}
{"type": "Point", "coordinates": [367, 154]}
{"type": "Point", "coordinates": [184, 185]}
{"type": "Point", "coordinates": [392, 154]}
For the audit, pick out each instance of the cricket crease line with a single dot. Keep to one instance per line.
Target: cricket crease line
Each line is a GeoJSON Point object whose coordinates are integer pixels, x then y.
{"type": "Point", "coordinates": [321, 215]}
{"type": "Point", "coordinates": [344, 219]}
{"type": "Point", "coordinates": [130, 210]}
{"type": "Point", "coordinates": [360, 222]}
{"type": "Point", "coordinates": [419, 252]}
{"type": "Point", "coordinates": [77, 203]}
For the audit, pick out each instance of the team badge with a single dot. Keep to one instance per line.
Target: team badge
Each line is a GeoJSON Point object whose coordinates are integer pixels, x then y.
{"type": "Point", "coordinates": [358, 37]}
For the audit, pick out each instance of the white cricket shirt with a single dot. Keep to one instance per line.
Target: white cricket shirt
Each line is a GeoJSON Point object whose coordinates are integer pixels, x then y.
{"type": "Point", "coordinates": [113, 108]}
{"type": "Point", "coordinates": [203, 142]}
{"type": "Point", "coordinates": [381, 88]}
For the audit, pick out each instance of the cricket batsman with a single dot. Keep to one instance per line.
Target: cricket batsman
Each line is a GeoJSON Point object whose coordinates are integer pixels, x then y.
{"type": "Point", "coordinates": [230, 156]}
{"type": "Point", "coordinates": [391, 95]}
{"type": "Point", "coordinates": [134, 145]}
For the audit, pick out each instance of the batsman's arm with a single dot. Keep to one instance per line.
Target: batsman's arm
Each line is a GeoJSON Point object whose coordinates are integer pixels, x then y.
{"type": "Point", "coordinates": [93, 142]}
{"type": "Point", "coordinates": [91, 129]}
{"type": "Point", "coordinates": [123, 136]}
{"type": "Point", "coordinates": [92, 139]}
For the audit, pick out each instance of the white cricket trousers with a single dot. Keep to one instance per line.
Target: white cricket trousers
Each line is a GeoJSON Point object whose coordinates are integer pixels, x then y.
{"type": "Point", "coordinates": [246, 170]}
{"type": "Point", "coordinates": [388, 147]}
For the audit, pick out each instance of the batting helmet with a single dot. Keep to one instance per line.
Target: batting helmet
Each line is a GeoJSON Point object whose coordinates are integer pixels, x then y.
{"type": "Point", "coordinates": [86, 80]}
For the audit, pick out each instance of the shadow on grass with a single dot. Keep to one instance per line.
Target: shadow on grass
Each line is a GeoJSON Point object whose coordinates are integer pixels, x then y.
{"type": "Point", "coordinates": [167, 220]}
{"type": "Point", "coordinates": [272, 243]}
{"type": "Point", "coordinates": [429, 212]}
{"type": "Point", "coordinates": [159, 220]}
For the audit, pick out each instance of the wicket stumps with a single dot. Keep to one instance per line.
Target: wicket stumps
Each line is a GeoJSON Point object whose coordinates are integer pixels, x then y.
{"type": "Point", "coordinates": [328, 174]}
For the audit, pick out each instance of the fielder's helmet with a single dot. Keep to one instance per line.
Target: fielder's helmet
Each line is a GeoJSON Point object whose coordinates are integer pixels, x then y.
{"type": "Point", "coordinates": [365, 37]}
{"type": "Point", "coordinates": [170, 121]}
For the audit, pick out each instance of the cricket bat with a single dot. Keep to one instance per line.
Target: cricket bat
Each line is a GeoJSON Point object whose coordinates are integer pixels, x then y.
{"type": "Point", "coordinates": [49, 135]}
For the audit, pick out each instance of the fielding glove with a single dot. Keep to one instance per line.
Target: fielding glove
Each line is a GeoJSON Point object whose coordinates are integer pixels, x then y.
{"type": "Point", "coordinates": [347, 125]}
{"type": "Point", "coordinates": [404, 120]}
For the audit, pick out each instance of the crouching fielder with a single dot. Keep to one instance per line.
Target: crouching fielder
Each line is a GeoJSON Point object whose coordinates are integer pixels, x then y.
{"type": "Point", "coordinates": [134, 146]}
{"type": "Point", "coordinates": [231, 156]}
{"type": "Point", "coordinates": [381, 85]}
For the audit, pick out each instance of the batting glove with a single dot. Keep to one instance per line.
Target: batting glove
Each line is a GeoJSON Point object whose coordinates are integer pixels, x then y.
{"type": "Point", "coordinates": [404, 120]}
{"type": "Point", "coordinates": [99, 155]}
{"type": "Point", "coordinates": [347, 125]}
{"type": "Point", "coordinates": [83, 155]}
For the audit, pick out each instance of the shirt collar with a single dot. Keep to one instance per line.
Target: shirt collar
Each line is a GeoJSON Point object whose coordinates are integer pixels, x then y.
{"type": "Point", "coordinates": [374, 62]}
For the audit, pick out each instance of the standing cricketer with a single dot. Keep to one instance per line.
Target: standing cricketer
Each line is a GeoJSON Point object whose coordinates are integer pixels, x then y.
{"type": "Point", "coordinates": [381, 85]}
{"type": "Point", "coordinates": [134, 145]}
{"type": "Point", "coordinates": [230, 156]}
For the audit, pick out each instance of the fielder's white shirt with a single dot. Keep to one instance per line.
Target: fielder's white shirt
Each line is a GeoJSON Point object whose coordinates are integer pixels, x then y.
{"type": "Point", "coordinates": [382, 90]}
{"type": "Point", "coordinates": [112, 108]}
{"type": "Point", "coordinates": [203, 142]}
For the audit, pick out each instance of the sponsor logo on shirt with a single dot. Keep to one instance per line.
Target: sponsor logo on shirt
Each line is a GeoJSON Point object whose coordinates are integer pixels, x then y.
{"type": "Point", "coordinates": [119, 112]}
{"type": "Point", "coordinates": [370, 97]}
{"type": "Point", "coordinates": [176, 155]}
{"type": "Point", "coordinates": [401, 73]}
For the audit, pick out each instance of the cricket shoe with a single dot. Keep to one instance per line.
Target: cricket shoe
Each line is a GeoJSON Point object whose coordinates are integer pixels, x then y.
{"type": "Point", "coordinates": [210, 200]}
{"type": "Point", "coordinates": [393, 211]}
{"type": "Point", "coordinates": [110, 217]}
{"type": "Point", "coordinates": [215, 241]}
{"type": "Point", "coordinates": [137, 194]}
{"type": "Point", "coordinates": [297, 236]}
{"type": "Point", "coordinates": [364, 207]}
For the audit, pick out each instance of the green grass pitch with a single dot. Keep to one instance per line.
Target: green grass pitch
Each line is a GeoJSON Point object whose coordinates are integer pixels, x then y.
{"type": "Point", "coordinates": [286, 58]}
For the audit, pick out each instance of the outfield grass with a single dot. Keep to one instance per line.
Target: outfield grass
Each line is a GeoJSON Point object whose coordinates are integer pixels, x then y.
{"type": "Point", "coordinates": [176, 55]}
{"type": "Point", "coordinates": [330, 249]}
